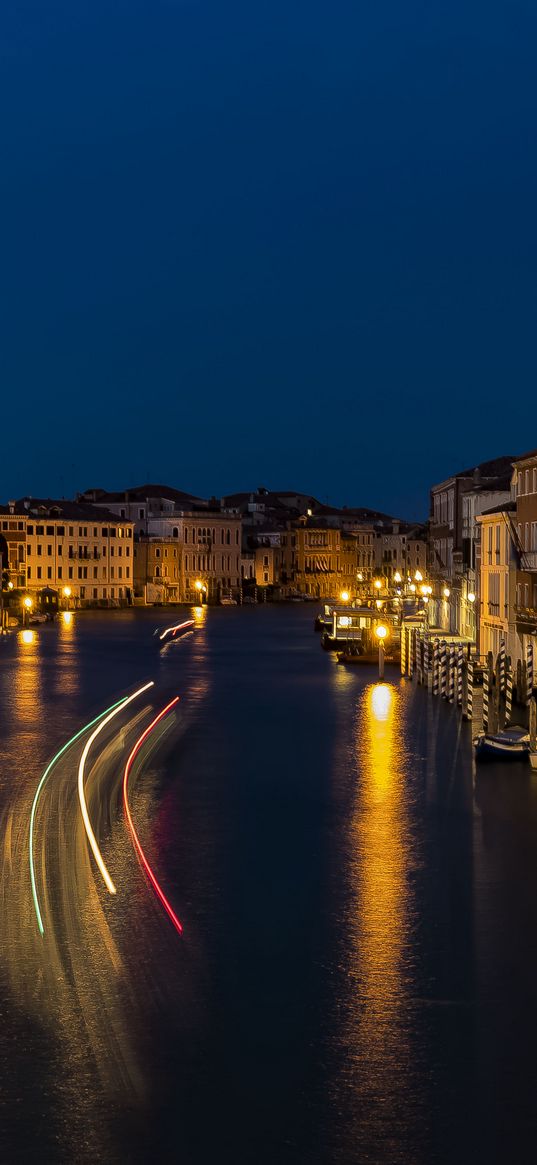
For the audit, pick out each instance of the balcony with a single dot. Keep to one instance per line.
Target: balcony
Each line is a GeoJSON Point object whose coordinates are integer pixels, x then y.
{"type": "Point", "coordinates": [526, 619]}
{"type": "Point", "coordinates": [529, 560]}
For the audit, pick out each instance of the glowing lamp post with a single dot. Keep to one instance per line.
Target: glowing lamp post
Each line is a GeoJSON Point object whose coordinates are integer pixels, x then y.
{"type": "Point", "coordinates": [381, 633]}
{"type": "Point", "coordinates": [27, 605]}
{"type": "Point", "coordinates": [345, 596]}
{"type": "Point", "coordinates": [66, 592]}
{"type": "Point", "coordinates": [202, 591]}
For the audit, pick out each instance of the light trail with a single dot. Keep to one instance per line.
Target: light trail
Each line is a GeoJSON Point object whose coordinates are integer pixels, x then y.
{"type": "Point", "coordinates": [137, 844]}
{"type": "Point", "coordinates": [48, 770]}
{"type": "Point", "coordinates": [84, 809]}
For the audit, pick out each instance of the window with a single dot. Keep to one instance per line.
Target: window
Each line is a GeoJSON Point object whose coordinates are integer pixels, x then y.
{"type": "Point", "coordinates": [49, 551]}
{"type": "Point", "coordinates": [60, 550]}
{"type": "Point", "coordinates": [40, 529]}
{"type": "Point", "coordinates": [95, 592]}
{"type": "Point", "coordinates": [70, 572]}
{"type": "Point", "coordinates": [71, 531]}
{"type": "Point", "coordinates": [39, 572]}
{"type": "Point", "coordinates": [141, 514]}
{"type": "Point", "coordinates": [127, 572]}
{"type": "Point", "coordinates": [80, 572]}
{"type": "Point", "coordinates": [29, 530]}
{"type": "Point", "coordinates": [59, 572]}
{"type": "Point", "coordinates": [95, 575]}
{"type": "Point", "coordinates": [122, 514]}
{"type": "Point", "coordinates": [95, 532]}
{"type": "Point", "coordinates": [49, 572]}
{"type": "Point", "coordinates": [175, 533]}
{"type": "Point", "coordinates": [50, 530]}
{"type": "Point", "coordinates": [29, 572]}
{"type": "Point", "coordinates": [39, 550]}
{"type": "Point", "coordinates": [157, 552]}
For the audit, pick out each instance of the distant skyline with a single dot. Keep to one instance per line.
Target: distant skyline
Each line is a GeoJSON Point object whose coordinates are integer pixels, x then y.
{"type": "Point", "coordinates": [276, 245]}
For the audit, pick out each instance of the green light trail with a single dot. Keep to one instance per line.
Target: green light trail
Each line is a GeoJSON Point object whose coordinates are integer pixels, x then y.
{"type": "Point", "coordinates": [48, 769]}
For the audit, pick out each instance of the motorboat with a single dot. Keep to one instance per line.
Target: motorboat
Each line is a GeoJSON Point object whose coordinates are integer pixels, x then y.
{"type": "Point", "coordinates": [169, 634]}
{"type": "Point", "coordinates": [510, 744]}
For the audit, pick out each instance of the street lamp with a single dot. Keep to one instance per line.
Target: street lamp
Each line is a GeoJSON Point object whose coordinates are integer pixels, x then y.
{"type": "Point", "coordinates": [378, 584]}
{"type": "Point", "coordinates": [446, 592]}
{"type": "Point", "coordinates": [418, 576]}
{"type": "Point", "coordinates": [27, 605]}
{"type": "Point", "coordinates": [66, 592]}
{"type": "Point", "coordinates": [381, 633]}
{"type": "Point", "coordinates": [471, 597]}
{"type": "Point", "coordinates": [397, 577]}
{"type": "Point", "coordinates": [345, 596]}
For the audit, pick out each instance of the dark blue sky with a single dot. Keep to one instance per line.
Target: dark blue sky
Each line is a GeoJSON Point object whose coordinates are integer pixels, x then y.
{"type": "Point", "coordinates": [285, 243]}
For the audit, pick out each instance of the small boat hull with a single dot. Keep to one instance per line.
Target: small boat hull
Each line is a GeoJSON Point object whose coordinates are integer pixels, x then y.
{"type": "Point", "coordinates": [368, 657]}
{"type": "Point", "coordinates": [511, 745]}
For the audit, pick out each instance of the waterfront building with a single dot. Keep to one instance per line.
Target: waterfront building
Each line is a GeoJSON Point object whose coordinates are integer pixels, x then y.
{"type": "Point", "coordinates": [525, 533]}
{"type": "Point", "coordinates": [143, 503]}
{"type": "Point", "coordinates": [78, 548]}
{"type": "Point", "coordinates": [391, 545]}
{"type": "Point", "coordinates": [453, 535]}
{"type": "Point", "coordinates": [311, 559]}
{"type": "Point", "coordinates": [208, 540]}
{"type": "Point", "coordinates": [497, 564]}
{"type": "Point", "coordinates": [157, 570]}
{"type": "Point", "coordinates": [267, 564]}
{"type": "Point", "coordinates": [13, 545]}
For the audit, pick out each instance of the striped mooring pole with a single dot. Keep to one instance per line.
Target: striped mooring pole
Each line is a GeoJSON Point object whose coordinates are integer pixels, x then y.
{"type": "Point", "coordinates": [468, 714]}
{"type": "Point", "coordinates": [529, 670]}
{"type": "Point", "coordinates": [443, 669]}
{"type": "Point", "coordinates": [486, 685]}
{"type": "Point", "coordinates": [436, 666]}
{"type": "Point", "coordinates": [508, 690]}
{"type": "Point", "coordinates": [413, 639]}
{"type": "Point", "coordinates": [460, 653]}
{"type": "Point", "coordinates": [502, 665]}
{"type": "Point", "coordinates": [451, 687]}
{"type": "Point", "coordinates": [403, 650]}
{"type": "Point", "coordinates": [426, 662]}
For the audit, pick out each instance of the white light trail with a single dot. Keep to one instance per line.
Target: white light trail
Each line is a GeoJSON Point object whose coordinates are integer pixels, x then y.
{"type": "Point", "coordinates": [83, 807]}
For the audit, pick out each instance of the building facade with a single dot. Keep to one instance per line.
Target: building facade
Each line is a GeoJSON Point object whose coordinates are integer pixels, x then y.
{"type": "Point", "coordinates": [496, 564]}
{"type": "Point", "coordinates": [525, 533]}
{"type": "Point", "coordinates": [13, 545]}
{"type": "Point", "coordinates": [311, 559]}
{"type": "Point", "coordinates": [158, 570]}
{"type": "Point", "coordinates": [78, 549]}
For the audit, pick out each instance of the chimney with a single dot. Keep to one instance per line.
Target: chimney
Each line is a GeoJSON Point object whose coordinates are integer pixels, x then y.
{"type": "Point", "coordinates": [11, 507]}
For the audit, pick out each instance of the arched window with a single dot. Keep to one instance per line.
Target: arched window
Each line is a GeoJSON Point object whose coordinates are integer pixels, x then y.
{"type": "Point", "coordinates": [229, 538]}
{"type": "Point", "coordinates": [175, 533]}
{"type": "Point", "coordinates": [157, 572]}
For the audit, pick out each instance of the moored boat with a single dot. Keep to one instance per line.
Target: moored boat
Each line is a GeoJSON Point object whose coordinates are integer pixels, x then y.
{"type": "Point", "coordinates": [510, 744]}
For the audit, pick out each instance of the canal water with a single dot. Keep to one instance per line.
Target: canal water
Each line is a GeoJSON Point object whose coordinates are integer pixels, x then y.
{"type": "Point", "coordinates": [356, 981]}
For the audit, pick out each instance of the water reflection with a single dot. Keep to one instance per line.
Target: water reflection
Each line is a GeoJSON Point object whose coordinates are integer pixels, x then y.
{"type": "Point", "coordinates": [377, 1032]}
{"type": "Point", "coordinates": [27, 679]}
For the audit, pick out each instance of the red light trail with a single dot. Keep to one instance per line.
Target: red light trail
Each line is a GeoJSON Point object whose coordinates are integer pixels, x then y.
{"type": "Point", "coordinates": [137, 844]}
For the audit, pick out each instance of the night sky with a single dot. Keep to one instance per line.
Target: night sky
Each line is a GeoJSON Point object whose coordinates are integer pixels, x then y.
{"type": "Point", "coordinates": [286, 244]}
